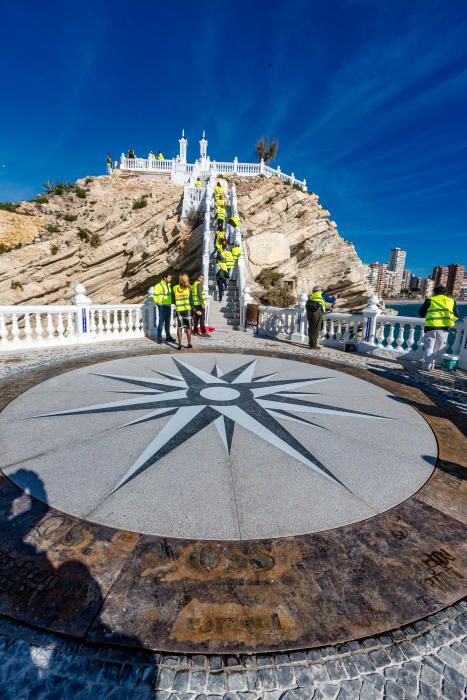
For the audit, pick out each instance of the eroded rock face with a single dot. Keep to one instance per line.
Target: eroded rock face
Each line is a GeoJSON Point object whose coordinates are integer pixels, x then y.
{"type": "Point", "coordinates": [267, 249]}
{"type": "Point", "coordinates": [117, 251]}
{"type": "Point", "coordinates": [318, 254]}
{"type": "Point", "coordinates": [18, 228]}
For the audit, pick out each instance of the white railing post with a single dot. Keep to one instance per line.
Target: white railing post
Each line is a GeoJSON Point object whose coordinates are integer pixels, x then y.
{"type": "Point", "coordinates": [261, 166]}
{"type": "Point", "coordinates": [304, 184]}
{"type": "Point", "coordinates": [235, 165]}
{"type": "Point", "coordinates": [370, 315]}
{"type": "Point", "coordinates": [298, 336]}
{"type": "Point", "coordinates": [463, 346]}
{"type": "Point", "coordinates": [82, 303]}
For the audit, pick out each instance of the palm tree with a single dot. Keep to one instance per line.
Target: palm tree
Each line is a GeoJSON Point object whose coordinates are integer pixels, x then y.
{"type": "Point", "coordinates": [266, 148]}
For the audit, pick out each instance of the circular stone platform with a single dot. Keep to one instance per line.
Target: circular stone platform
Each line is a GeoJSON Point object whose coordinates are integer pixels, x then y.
{"type": "Point", "coordinates": [283, 444]}
{"type": "Point", "coordinates": [216, 446]}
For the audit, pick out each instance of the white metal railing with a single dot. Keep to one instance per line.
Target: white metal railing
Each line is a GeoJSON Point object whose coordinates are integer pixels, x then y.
{"type": "Point", "coordinates": [181, 172]}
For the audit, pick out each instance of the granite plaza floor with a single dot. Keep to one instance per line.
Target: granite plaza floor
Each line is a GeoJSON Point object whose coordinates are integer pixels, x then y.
{"type": "Point", "coordinates": [239, 488]}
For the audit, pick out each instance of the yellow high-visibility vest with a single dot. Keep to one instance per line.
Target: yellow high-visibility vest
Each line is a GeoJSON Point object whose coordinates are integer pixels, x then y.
{"type": "Point", "coordinates": [236, 221]}
{"type": "Point", "coordinates": [198, 183]}
{"type": "Point", "coordinates": [222, 266]}
{"type": "Point", "coordinates": [318, 296]}
{"type": "Point", "coordinates": [163, 293]}
{"type": "Point", "coordinates": [160, 156]}
{"type": "Point", "coordinates": [182, 298]}
{"type": "Point", "coordinates": [228, 258]}
{"type": "Point", "coordinates": [440, 313]}
{"type": "Point", "coordinates": [198, 294]}
{"type": "Point", "coordinates": [236, 252]}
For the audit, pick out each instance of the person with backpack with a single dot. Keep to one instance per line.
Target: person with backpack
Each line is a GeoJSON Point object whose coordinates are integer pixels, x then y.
{"type": "Point", "coordinates": [222, 277]}
{"type": "Point", "coordinates": [315, 308]}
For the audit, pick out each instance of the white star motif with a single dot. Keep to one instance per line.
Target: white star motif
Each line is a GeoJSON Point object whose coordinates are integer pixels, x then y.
{"type": "Point", "coordinates": [194, 399]}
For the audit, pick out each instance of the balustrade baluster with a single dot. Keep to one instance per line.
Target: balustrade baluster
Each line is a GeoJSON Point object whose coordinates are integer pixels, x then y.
{"type": "Point", "coordinates": [400, 336]}
{"type": "Point", "coordinates": [92, 321]}
{"type": "Point", "coordinates": [379, 335]}
{"type": "Point", "coordinates": [15, 327]}
{"type": "Point", "coordinates": [108, 323]}
{"type": "Point", "coordinates": [60, 326]}
{"type": "Point", "coordinates": [390, 338]}
{"type": "Point", "coordinates": [50, 326]}
{"type": "Point", "coordinates": [38, 326]}
{"type": "Point", "coordinates": [27, 328]}
{"type": "Point", "coordinates": [339, 329]}
{"type": "Point", "coordinates": [130, 321]}
{"type": "Point", "coordinates": [3, 331]}
{"type": "Point", "coordinates": [411, 337]}
{"type": "Point", "coordinates": [70, 324]}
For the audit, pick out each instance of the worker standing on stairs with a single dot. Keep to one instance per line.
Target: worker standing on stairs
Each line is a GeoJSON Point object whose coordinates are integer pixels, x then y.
{"type": "Point", "coordinates": [236, 252]}
{"type": "Point", "coordinates": [221, 278]}
{"type": "Point", "coordinates": [235, 221]}
{"type": "Point", "coordinates": [227, 258]}
{"type": "Point", "coordinates": [163, 298]}
{"type": "Point", "coordinates": [198, 182]}
{"type": "Point", "coordinates": [199, 306]}
{"type": "Point", "coordinates": [182, 299]}
{"type": "Point", "coordinates": [220, 216]}
{"type": "Point", "coordinates": [218, 191]}
{"type": "Point", "coordinates": [160, 156]}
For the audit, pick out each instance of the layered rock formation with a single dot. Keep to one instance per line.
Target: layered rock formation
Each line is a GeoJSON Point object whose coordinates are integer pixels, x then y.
{"type": "Point", "coordinates": [116, 234]}
{"type": "Point", "coordinates": [286, 230]}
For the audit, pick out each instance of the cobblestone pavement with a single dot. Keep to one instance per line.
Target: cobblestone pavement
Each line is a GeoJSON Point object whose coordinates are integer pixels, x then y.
{"type": "Point", "coordinates": [425, 660]}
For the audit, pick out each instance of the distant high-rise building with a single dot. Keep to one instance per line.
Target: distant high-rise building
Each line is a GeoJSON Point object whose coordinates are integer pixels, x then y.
{"type": "Point", "coordinates": [426, 287]}
{"type": "Point", "coordinates": [406, 276]}
{"type": "Point", "coordinates": [396, 264]}
{"type": "Point", "coordinates": [390, 283]}
{"type": "Point", "coordinates": [415, 283]}
{"type": "Point", "coordinates": [376, 276]}
{"type": "Point", "coordinates": [440, 275]}
{"type": "Point", "coordinates": [455, 280]}
{"type": "Point", "coordinates": [463, 292]}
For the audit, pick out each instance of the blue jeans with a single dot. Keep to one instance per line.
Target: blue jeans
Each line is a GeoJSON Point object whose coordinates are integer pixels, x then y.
{"type": "Point", "coordinates": [164, 320]}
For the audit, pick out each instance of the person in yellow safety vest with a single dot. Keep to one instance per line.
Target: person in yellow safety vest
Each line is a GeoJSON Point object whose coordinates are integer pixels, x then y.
{"type": "Point", "coordinates": [163, 298]}
{"type": "Point", "coordinates": [315, 308]}
{"type": "Point", "coordinates": [220, 216]}
{"type": "Point", "coordinates": [198, 182]}
{"type": "Point", "coordinates": [199, 306]}
{"type": "Point", "coordinates": [227, 258]}
{"type": "Point", "coordinates": [440, 314]}
{"type": "Point", "coordinates": [181, 297]}
{"type": "Point", "coordinates": [235, 221]}
{"type": "Point", "coordinates": [131, 153]}
{"type": "Point", "coordinates": [160, 156]}
{"type": "Point", "coordinates": [222, 276]}
{"type": "Point", "coordinates": [218, 191]}
{"type": "Point", "coordinates": [236, 252]}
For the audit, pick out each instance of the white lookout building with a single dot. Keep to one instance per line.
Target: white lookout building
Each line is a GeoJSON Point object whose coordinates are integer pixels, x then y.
{"type": "Point", "coordinates": [184, 173]}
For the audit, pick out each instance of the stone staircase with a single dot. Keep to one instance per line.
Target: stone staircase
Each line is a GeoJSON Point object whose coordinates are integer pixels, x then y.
{"type": "Point", "coordinates": [225, 313]}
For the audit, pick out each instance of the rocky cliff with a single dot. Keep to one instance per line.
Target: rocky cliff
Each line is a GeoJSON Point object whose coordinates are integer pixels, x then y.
{"type": "Point", "coordinates": [116, 234]}
{"type": "Point", "coordinates": [286, 230]}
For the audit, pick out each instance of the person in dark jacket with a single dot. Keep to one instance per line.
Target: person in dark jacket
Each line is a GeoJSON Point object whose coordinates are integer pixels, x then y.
{"type": "Point", "coordinates": [440, 314]}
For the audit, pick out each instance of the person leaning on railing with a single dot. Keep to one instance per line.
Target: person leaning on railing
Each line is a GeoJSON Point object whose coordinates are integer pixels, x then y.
{"type": "Point", "coordinates": [163, 298]}
{"type": "Point", "coordinates": [315, 308]}
{"type": "Point", "coordinates": [440, 314]}
{"type": "Point", "coordinates": [160, 156]}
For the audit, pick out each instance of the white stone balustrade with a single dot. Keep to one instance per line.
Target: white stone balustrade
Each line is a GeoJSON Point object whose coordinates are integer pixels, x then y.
{"type": "Point", "coordinates": [181, 172]}
{"type": "Point", "coordinates": [370, 331]}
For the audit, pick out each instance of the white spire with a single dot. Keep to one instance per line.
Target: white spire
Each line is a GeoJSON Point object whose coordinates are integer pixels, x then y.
{"type": "Point", "coordinates": [203, 146]}
{"type": "Point", "coordinates": [183, 147]}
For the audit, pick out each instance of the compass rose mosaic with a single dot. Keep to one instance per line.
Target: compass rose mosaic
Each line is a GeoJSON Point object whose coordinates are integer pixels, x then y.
{"type": "Point", "coordinates": [219, 446]}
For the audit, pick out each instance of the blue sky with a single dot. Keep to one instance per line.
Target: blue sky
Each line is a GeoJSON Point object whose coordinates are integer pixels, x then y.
{"type": "Point", "coordinates": [368, 99]}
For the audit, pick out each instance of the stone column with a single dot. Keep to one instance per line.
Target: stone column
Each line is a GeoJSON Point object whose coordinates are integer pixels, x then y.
{"type": "Point", "coordinates": [82, 303]}
{"type": "Point", "coordinates": [370, 315]}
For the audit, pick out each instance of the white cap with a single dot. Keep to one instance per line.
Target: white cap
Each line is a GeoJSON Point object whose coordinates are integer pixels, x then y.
{"type": "Point", "coordinates": [317, 288]}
